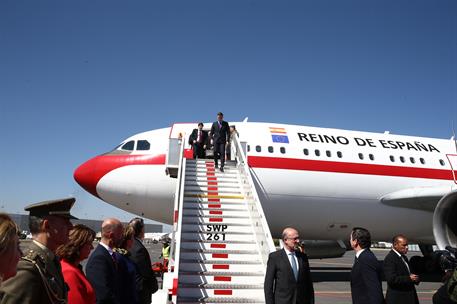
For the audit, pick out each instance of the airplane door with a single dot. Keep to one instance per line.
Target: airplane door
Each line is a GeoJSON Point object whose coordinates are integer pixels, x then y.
{"type": "Point", "coordinates": [453, 161]}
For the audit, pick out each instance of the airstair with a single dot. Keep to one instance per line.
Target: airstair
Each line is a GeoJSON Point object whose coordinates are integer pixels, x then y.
{"type": "Point", "coordinates": [221, 239]}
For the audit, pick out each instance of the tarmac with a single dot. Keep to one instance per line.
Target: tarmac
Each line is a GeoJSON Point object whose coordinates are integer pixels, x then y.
{"type": "Point", "coordinates": [331, 277]}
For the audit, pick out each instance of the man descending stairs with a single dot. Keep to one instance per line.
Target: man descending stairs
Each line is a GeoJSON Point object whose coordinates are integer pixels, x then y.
{"type": "Point", "coordinates": [219, 260]}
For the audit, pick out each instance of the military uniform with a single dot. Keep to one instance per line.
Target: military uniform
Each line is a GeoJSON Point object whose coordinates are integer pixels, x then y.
{"type": "Point", "coordinates": [39, 278]}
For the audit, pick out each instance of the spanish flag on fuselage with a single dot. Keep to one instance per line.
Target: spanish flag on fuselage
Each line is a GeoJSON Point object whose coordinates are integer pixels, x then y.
{"type": "Point", "coordinates": [279, 135]}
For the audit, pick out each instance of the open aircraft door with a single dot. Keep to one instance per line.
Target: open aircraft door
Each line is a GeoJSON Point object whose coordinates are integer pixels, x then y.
{"type": "Point", "coordinates": [453, 161]}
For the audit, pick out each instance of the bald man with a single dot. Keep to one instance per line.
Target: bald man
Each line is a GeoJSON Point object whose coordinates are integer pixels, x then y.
{"type": "Point", "coordinates": [288, 279]}
{"type": "Point", "coordinates": [101, 268]}
{"type": "Point", "coordinates": [400, 279]}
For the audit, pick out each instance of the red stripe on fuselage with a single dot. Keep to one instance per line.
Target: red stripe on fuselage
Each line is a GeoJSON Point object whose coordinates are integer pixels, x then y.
{"type": "Point", "coordinates": [89, 174]}
{"type": "Point", "coordinates": [344, 167]}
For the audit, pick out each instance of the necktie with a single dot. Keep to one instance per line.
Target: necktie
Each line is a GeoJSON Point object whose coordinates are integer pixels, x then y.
{"type": "Point", "coordinates": [220, 125]}
{"type": "Point", "coordinates": [405, 260]}
{"type": "Point", "coordinates": [294, 265]}
{"type": "Point", "coordinates": [114, 260]}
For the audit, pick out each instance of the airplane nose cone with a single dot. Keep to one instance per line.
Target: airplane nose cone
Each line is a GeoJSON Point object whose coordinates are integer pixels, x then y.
{"type": "Point", "coordinates": [85, 176]}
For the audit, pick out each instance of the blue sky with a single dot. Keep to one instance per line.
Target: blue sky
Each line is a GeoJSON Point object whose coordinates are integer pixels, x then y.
{"type": "Point", "coordinates": [77, 77]}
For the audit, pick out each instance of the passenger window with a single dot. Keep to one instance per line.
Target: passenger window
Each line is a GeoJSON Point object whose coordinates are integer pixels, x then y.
{"type": "Point", "coordinates": [317, 152]}
{"type": "Point", "coordinates": [258, 148]}
{"type": "Point", "coordinates": [328, 153]}
{"type": "Point", "coordinates": [371, 156]}
{"type": "Point", "coordinates": [392, 158]}
{"type": "Point", "coordinates": [339, 154]}
{"type": "Point", "coordinates": [270, 149]}
{"type": "Point", "coordinates": [249, 148]}
{"type": "Point", "coordinates": [442, 162]}
{"type": "Point", "coordinates": [143, 145]}
{"type": "Point", "coordinates": [422, 161]}
{"type": "Point", "coordinates": [282, 150]}
{"type": "Point", "coordinates": [412, 160]}
{"type": "Point", "coordinates": [361, 155]}
{"type": "Point", "coordinates": [305, 151]}
{"type": "Point", "coordinates": [129, 145]}
{"type": "Point", "coordinates": [402, 159]}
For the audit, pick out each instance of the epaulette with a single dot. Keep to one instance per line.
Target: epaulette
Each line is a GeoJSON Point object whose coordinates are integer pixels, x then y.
{"type": "Point", "coordinates": [121, 251]}
{"type": "Point", "coordinates": [38, 260]}
{"type": "Point", "coordinates": [34, 257]}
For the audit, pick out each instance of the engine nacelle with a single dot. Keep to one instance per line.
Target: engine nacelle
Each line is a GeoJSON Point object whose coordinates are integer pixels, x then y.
{"type": "Point", "coordinates": [445, 221]}
{"type": "Point", "coordinates": [324, 249]}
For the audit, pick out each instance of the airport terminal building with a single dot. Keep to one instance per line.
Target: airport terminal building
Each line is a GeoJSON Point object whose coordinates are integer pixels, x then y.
{"type": "Point", "coordinates": [22, 221]}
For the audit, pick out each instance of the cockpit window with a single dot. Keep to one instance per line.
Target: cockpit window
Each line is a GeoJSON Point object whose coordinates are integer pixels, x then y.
{"type": "Point", "coordinates": [143, 145]}
{"type": "Point", "coordinates": [128, 145]}
{"type": "Point", "coordinates": [117, 147]}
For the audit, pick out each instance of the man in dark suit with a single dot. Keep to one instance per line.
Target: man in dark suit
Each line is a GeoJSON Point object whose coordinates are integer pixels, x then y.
{"type": "Point", "coordinates": [288, 279]}
{"type": "Point", "coordinates": [140, 256]}
{"type": "Point", "coordinates": [198, 141]}
{"type": "Point", "coordinates": [220, 134]}
{"type": "Point", "coordinates": [400, 280]}
{"type": "Point", "coordinates": [102, 266]}
{"type": "Point", "coordinates": [366, 272]}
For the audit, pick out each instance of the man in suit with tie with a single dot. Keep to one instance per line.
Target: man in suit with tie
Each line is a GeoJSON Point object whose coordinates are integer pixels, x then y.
{"type": "Point", "coordinates": [101, 268]}
{"type": "Point", "coordinates": [400, 280]}
{"type": "Point", "coordinates": [198, 141]}
{"type": "Point", "coordinates": [366, 272]}
{"type": "Point", "coordinates": [288, 279]}
{"type": "Point", "coordinates": [220, 134]}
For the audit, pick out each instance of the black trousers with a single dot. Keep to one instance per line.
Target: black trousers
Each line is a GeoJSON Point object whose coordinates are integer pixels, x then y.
{"type": "Point", "coordinates": [198, 150]}
{"type": "Point", "coordinates": [219, 152]}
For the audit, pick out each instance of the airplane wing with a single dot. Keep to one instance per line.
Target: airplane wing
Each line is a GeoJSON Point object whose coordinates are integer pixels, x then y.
{"type": "Point", "coordinates": [420, 198]}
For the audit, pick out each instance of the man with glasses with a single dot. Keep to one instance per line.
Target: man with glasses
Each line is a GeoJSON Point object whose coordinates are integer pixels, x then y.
{"type": "Point", "coordinates": [288, 279]}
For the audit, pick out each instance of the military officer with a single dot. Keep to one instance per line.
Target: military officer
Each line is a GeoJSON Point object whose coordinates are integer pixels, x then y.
{"type": "Point", "coordinates": [39, 277]}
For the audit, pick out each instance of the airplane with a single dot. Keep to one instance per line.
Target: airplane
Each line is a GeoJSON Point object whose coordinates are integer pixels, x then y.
{"type": "Point", "coordinates": [321, 181]}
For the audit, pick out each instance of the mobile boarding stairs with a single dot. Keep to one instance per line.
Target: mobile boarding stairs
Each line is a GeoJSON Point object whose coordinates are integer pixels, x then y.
{"type": "Point", "coordinates": [220, 240]}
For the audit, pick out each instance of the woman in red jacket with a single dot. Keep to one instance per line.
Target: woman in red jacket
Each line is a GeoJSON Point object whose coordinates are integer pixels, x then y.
{"type": "Point", "coordinates": [72, 253]}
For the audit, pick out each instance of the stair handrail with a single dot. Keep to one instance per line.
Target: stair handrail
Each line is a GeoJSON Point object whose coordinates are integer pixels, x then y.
{"type": "Point", "coordinates": [262, 231]}
{"type": "Point", "coordinates": [173, 265]}
{"type": "Point", "coordinates": [176, 204]}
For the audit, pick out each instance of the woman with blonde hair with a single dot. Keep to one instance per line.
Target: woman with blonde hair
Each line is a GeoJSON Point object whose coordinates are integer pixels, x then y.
{"type": "Point", "coordinates": [72, 253]}
{"type": "Point", "coordinates": [10, 253]}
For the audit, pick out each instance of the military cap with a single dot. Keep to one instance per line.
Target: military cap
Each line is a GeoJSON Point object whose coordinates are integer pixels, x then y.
{"type": "Point", "coordinates": [58, 207]}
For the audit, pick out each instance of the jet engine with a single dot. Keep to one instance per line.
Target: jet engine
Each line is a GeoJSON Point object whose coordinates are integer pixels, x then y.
{"type": "Point", "coordinates": [445, 221]}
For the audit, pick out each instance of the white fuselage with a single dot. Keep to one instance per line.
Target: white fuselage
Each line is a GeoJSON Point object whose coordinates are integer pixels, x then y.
{"type": "Point", "coordinates": [322, 181]}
